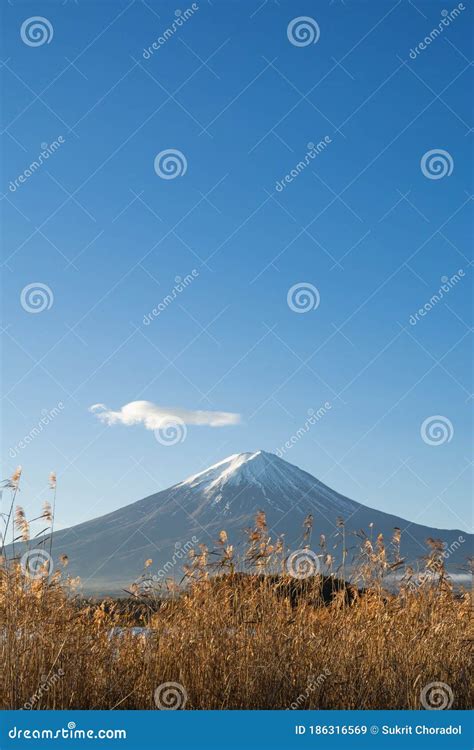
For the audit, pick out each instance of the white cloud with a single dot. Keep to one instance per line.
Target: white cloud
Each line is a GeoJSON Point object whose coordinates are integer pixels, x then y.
{"type": "Point", "coordinates": [153, 417]}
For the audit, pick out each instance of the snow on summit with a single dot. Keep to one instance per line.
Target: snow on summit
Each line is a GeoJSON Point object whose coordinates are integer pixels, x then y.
{"type": "Point", "coordinates": [236, 469]}
{"type": "Point", "coordinates": [265, 477]}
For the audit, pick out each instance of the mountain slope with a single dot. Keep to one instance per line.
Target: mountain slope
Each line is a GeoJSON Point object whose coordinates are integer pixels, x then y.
{"type": "Point", "coordinates": [108, 552]}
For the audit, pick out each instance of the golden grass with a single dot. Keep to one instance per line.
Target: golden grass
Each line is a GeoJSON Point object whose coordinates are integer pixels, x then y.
{"type": "Point", "coordinates": [234, 642]}
{"type": "Point", "coordinates": [231, 647]}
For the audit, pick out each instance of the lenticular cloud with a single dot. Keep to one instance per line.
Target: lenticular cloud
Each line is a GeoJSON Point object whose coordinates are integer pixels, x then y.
{"type": "Point", "coordinates": [153, 416]}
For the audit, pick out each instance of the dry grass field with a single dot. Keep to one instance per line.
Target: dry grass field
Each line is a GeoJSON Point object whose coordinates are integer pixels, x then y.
{"type": "Point", "coordinates": [233, 641]}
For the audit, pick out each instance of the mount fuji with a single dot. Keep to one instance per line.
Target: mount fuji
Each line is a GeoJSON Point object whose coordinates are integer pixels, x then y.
{"type": "Point", "coordinates": [108, 552]}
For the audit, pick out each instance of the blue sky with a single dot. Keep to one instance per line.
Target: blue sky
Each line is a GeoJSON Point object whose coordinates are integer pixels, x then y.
{"type": "Point", "coordinates": [362, 223]}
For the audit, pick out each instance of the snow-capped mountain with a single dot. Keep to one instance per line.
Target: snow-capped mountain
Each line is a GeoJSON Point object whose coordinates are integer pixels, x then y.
{"type": "Point", "coordinates": [108, 553]}
{"type": "Point", "coordinates": [240, 482]}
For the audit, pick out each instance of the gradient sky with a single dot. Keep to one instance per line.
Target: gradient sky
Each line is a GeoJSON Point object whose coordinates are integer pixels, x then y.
{"type": "Point", "coordinates": [361, 223]}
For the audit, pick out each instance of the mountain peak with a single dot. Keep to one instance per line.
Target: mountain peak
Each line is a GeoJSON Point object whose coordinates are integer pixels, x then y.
{"type": "Point", "coordinates": [238, 482]}
{"type": "Point", "coordinates": [230, 467]}
{"type": "Point", "coordinates": [259, 473]}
